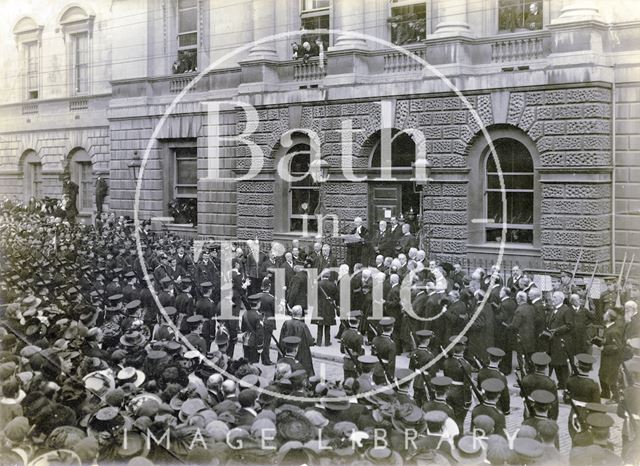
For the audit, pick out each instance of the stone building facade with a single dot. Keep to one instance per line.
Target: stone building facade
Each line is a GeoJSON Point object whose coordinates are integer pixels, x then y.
{"type": "Point", "coordinates": [562, 91]}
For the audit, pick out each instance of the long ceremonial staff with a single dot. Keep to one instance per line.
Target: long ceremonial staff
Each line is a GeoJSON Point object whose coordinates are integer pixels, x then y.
{"type": "Point", "coordinates": [619, 284]}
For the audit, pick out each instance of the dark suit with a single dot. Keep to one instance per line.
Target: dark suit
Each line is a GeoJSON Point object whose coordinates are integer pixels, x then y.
{"type": "Point", "coordinates": [524, 323]}
{"type": "Point", "coordinates": [383, 346]}
{"type": "Point", "coordinates": [356, 252]}
{"type": "Point", "coordinates": [582, 320]}
{"type": "Point", "coordinates": [561, 321]}
{"type": "Point", "coordinates": [382, 243]}
{"type": "Point", "coordinates": [503, 340]}
{"type": "Point", "coordinates": [541, 318]}
{"type": "Point", "coordinates": [268, 311]}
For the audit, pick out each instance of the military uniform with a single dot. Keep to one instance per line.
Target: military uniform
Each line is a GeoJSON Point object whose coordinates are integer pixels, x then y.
{"type": "Point", "coordinates": [385, 348]}
{"type": "Point", "coordinates": [459, 396]}
{"type": "Point", "coordinates": [419, 358]}
{"type": "Point", "coordinates": [492, 387]}
{"type": "Point", "coordinates": [353, 340]}
{"type": "Point", "coordinates": [492, 372]}
{"type": "Point", "coordinates": [539, 380]}
{"type": "Point", "coordinates": [582, 389]}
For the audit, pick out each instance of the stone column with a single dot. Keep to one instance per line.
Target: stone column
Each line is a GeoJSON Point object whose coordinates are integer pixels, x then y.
{"type": "Point", "coordinates": [452, 15]}
{"type": "Point", "coordinates": [349, 16]}
{"type": "Point", "coordinates": [264, 20]}
{"type": "Point", "coordinates": [579, 10]}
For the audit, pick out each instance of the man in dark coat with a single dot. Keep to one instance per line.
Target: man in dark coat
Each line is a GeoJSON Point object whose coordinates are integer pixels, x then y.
{"type": "Point", "coordinates": [353, 340]}
{"type": "Point", "coordinates": [384, 347]}
{"type": "Point", "coordinates": [101, 193]}
{"type": "Point", "coordinates": [539, 380]}
{"type": "Point", "coordinates": [559, 326]}
{"type": "Point", "coordinates": [492, 389]}
{"type": "Point", "coordinates": [297, 287]}
{"type": "Point", "coordinates": [327, 302]}
{"type": "Point", "coordinates": [251, 327]}
{"type": "Point", "coordinates": [407, 240]}
{"type": "Point", "coordinates": [504, 316]}
{"type": "Point", "coordinates": [268, 311]}
{"type": "Point", "coordinates": [492, 371]}
{"type": "Point", "coordinates": [583, 318]}
{"type": "Point", "coordinates": [535, 298]}
{"type": "Point", "coordinates": [381, 241]}
{"type": "Point", "coordinates": [581, 388]}
{"type": "Point", "coordinates": [419, 358]}
{"type": "Point", "coordinates": [523, 324]}
{"type": "Point", "coordinates": [611, 357]}
{"type": "Point", "coordinates": [298, 328]}
{"type": "Point", "coordinates": [456, 316]}
{"type": "Point", "coordinates": [355, 251]}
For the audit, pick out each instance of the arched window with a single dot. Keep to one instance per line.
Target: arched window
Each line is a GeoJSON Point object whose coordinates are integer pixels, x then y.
{"type": "Point", "coordinates": [32, 172]}
{"type": "Point", "coordinates": [77, 25]}
{"type": "Point", "coordinates": [304, 195]}
{"type": "Point", "coordinates": [403, 151]}
{"type": "Point", "coordinates": [29, 38]}
{"type": "Point", "coordinates": [82, 175]}
{"type": "Point", "coordinates": [516, 166]}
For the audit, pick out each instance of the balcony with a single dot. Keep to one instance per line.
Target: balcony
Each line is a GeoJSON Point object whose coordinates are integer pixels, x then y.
{"type": "Point", "coordinates": [313, 71]}
{"type": "Point", "coordinates": [518, 48]}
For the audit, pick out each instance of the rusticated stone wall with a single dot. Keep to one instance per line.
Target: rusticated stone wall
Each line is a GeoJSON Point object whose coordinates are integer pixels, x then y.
{"type": "Point", "coordinates": [570, 128]}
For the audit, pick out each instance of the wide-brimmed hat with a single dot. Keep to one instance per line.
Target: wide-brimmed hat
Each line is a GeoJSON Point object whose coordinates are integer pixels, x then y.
{"type": "Point", "coordinates": [134, 338]}
{"type": "Point", "coordinates": [99, 382]}
{"type": "Point", "coordinates": [336, 400]}
{"type": "Point", "coordinates": [292, 425]}
{"type": "Point", "coordinates": [131, 375]}
{"type": "Point", "coordinates": [469, 450]}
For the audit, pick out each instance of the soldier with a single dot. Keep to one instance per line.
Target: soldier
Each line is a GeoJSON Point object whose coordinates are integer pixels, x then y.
{"type": "Point", "coordinates": [184, 300]}
{"type": "Point", "coordinates": [583, 318]}
{"type": "Point", "coordinates": [268, 311]}
{"type": "Point", "coordinates": [418, 359]}
{"type": "Point", "coordinates": [492, 389]}
{"type": "Point", "coordinates": [367, 363]}
{"type": "Point", "coordinates": [543, 401]}
{"type": "Point", "coordinates": [251, 326]}
{"type": "Point", "coordinates": [194, 327]}
{"type": "Point", "coordinates": [582, 389]}
{"type": "Point", "coordinates": [290, 345]}
{"type": "Point", "coordinates": [459, 395]}
{"type": "Point", "coordinates": [539, 380]}
{"type": "Point", "coordinates": [440, 401]}
{"type": "Point", "coordinates": [607, 298]}
{"type": "Point", "coordinates": [492, 370]}
{"type": "Point", "coordinates": [207, 309]}
{"type": "Point", "coordinates": [385, 349]}
{"type": "Point", "coordinates": [629, 410]}
{"type": "Point", "coordinates": [598, 448]}
{"type": "Point", "coordinates": [353, 340]}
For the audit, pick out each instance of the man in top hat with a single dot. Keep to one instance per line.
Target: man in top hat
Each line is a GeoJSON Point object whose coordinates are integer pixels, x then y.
{"type": "Point", "coordinates": [253, 332]}
{"type": "Point", "coordinates": [492, 389]}
{"type": "Point", "coordinates": [492, 371]}
{"type": "Point", "coordinates": [384, 348]}
{"type": "Point", "coordinates": [455, 367]}
{"type": "Point", "coordinates": [418, 359]}
{"type": "Point", "coordinates": [351, 345]}
{"type": "Point", "coordinates": [582, 389]}
{"type": "Point", "coordinates": [298, 328]}
{"type": "Point", "coordinates": [539, 380]}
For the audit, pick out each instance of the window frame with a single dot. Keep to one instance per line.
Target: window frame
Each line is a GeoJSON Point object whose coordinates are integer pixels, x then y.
{"type": "Point", "coordinates": [76, 66]}
{"type": "Point", "coordinates": [77, 24]}
{"type": "Point", "coordinates": [194, 48]}
{"type": "Point", "coordinates": [306, 14]}
{"type": "Point", "coordinates": [28, 34]}
{"type": "Point", "coordinates": [31, 167]}
{"type": "Point", "coordinates": [393, 4]}
{"type": "Point", "coordinates": [544, 8]}
{"type": "Point", "coordinates": [174, 182]}
{"type": "Point", "coordinates": [311, 187]}
{"type": "Point", "coordinates": [477, 207]}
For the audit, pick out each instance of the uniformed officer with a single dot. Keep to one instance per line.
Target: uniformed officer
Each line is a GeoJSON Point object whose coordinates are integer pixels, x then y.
{"type": "Point", "coordinates": [492, 389]}
{"type": "Point", "coordinates": [251, 326]}
{"type": "Point", "coordinates": [492, 371]}
{"type": "Point", "coordinates": [596, 447]}
{"type": "Point", "coordinates": [353, 340]}
{"type": "Point", "coordinates": [439, 401]}
{"type": "Point", "coordinates": [607, 298]}
{"type": "Point", "coordinates": [385, 348]}
{"type": "Point", "coordinates": [419, 358]}
{"type": "Point", "coordinates": [539, 380]}
{"type": "Point", "coordinates": [582, 389]}
{"type": "Point", "coordinates": [290, 349]}
{"type": "Point", "coordinates": [542, 400]}
{"type": "Point", "coordinates": [367, 363]}
{"type": "Point", "coordinates": [460, 392]}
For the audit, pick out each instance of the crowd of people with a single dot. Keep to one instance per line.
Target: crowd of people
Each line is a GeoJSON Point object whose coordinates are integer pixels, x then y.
{"type": "Point", "coordinates": [103, 362]}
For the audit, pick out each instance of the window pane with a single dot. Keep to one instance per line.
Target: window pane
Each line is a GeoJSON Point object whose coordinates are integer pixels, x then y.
{"type": "Point", "coordinates": [519, 14]}
{"type": "Point", "coordinates": [514, 235]}
{"type": "Point", "coordinates": [510, 181]}
{"type": "Point", "coordinates": [519, 207]}
{"type": "Point", "coordinates": [186, 171]}
{"type": "Point", "coordinates": [188, 20]}
{"type": "Point", "coordinates": [408, 23]}
{"type": "Point", "coordinates": [304, 201]}
{"type": "Point", "coordinates": [315, 4]}
{"type": "Point", "coordinates": [296, 224]}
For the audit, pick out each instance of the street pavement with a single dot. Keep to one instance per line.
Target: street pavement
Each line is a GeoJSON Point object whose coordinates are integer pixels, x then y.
{"type": "Point", "coordinates": [328, 364]}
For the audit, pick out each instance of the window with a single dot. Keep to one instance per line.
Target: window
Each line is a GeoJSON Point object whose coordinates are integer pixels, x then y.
{"type": "Point", "coordinates": [516, 15]}
{"type": "Point", "coordinates": [82, 175]}
{"type": "Point", "coordinates": [32, 172]}
{"type": "Point", "coordinates": [304, 195]}
{"type": "Point", "coordinates": [408, 21]}
{"type": "Point", "coordinates": [315, 15]}
{"type": "Point", "coordinates": [32, 59]}
{"type": "Point", "coordinates": [80, 62]}
{"type": "Point", "coordinates": [516, 166]}
{"type": "Point", "coordinates": [187, 59]}
{"type": "Point", "coordinates": [185, 185]}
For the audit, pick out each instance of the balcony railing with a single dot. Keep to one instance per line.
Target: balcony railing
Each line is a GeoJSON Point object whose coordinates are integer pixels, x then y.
{"type": "Point", "coordinates": [78, 104]}
{"type": "Point", "coordinates": [29, 109]}
{"type": "Point", "coordinates": [313, 70]}
{"type": "Point", "coordinates": [518, 49]}
{"type": "Point", "coordinates": [178, 83]}
{"type": "Point", "coordinates": [398, 62]}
